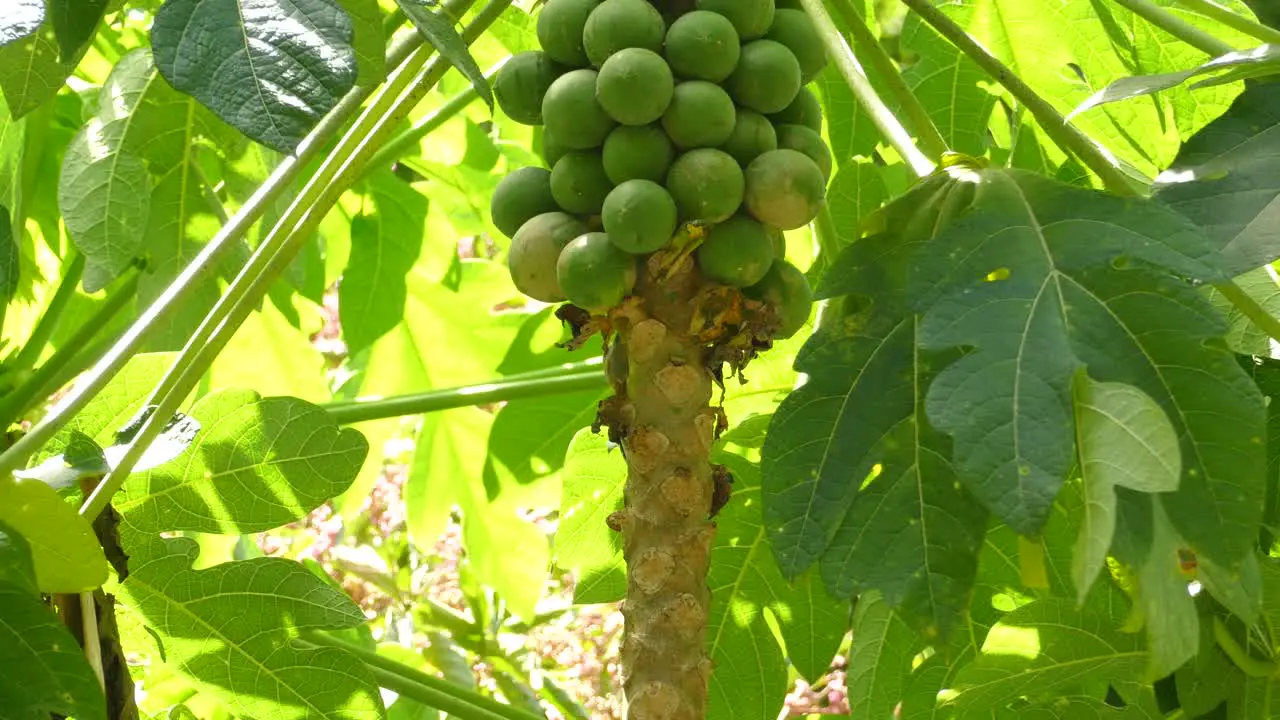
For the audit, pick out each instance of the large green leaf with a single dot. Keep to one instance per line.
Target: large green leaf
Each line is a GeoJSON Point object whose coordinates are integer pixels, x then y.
{"type": "Point", "coordinates": [593, 479]}
{"type": "Point", "coordinates": [1225, 178]}
{"type": "Point", "coordinates": [851, 473]}
{"type": "Point", "coordinates": [258, 463]}
{"type": "Point", "coordinates": [438, 29]}
{"type": "Point", "coordinates": [74, 24]}
{"type": "Point", "coordinates": [64, 550]}
{"type": "Point", "coordinates": [386, 239]}
{"type": "Point", "coordinates": [1043, 649]}
{"type": "Point", "coordinates": [1173, 625]}
{"type": "Point", "coordinates": [531, 436]}
{"type": "Point", "coordinates": [233, 56]}
{"type": "Point", "coordinates": [1041, 279]}
{"type": "Point", "coordinates": [45, 670]}
{"type": "Point", "coordinates": [1123, 439]}
{"type": "Point", "coordinates": [230, 630]}
{"type": "Point", "coordinates": [368, 40]}
{"type": "Point", "coordinates": [31, 72]}
{"type": "Point", "coordinates": [950, 86]}
{"type": "Point", "coordinates": [105, 192]}
{"type": "Point", "coordinates": [22, 18]}
{"type": "Point", "coordinates": [880, 661]}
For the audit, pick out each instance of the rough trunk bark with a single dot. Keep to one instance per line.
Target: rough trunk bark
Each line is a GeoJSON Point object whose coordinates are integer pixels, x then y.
{"type": "Point", "coordinates": [671, 334]}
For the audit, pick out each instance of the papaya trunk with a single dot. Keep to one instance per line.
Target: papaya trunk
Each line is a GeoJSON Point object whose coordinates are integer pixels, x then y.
{"type": "Point", "coordinates": [661, 415]}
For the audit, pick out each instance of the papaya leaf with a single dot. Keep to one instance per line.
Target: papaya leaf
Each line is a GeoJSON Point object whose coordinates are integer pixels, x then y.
{"type": "Point", "coordinates": [115, 405]}
{"type": "Point", "coordinates": [1264, 59]}
{"type": "Point", "coordinates": [593, 476]}
{"type": "Point", "coordinates": [22, 18]}
{"type": "Point", "coordinates": [386, 238]}
{"type": "Point", "coordinates": [1041, 279]}
{"type": "Point", "coordinates": [141, 126]}
{"type": "Point", "coordinates": [230, 629]}
{"type": "Point", "coordinates": [74, 24]}
{"type": "Point", "coordinates": [1225, 178]}
{"type": "Point", "coordinates": [1043, 649]}
{"type": "Point", "coordinates": [259, 463]}
{"type": "Point", "coordinates": [1172, 621]}
{"type": "Point", "coordinates": [64, 549]}
{"type": "Point", "coordinates": [438, 29]}
{"type": "Point", "coordinates": [369, 41]}
{"type": "Point", "coordinates": [232, 55]}
{"type": "Point", "coordinates": [31, 71]}
{"type": "Point", "coordinates": [880, 661]}
{"type": "Point", "coordinates": [1200, 683]}
{"type": "Point", "coordinates": [950, 85]}
{"type": "Point", "coordinates": [852, 475]}
{"type": "Point", "coordinates": [45, 670]}
{"type": "Point", "coordinates": [531, 436]}
{"type": "Point", "coordinates": [1243, 336]}
{"type": "Point", "coordinates": [1123, 438]}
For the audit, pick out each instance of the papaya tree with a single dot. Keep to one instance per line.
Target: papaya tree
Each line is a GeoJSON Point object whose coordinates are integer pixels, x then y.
{"type": "Point", "coordinates": [897, 359]}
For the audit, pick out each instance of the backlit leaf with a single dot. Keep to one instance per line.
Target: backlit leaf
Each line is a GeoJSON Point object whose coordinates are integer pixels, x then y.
{"type": "Point", "coordinates": [438, 29]}
{"type": "Point", "coordinates": [31, 72]}
{"type": "Point", "coordinates": [269, 68]}
{"type": "Point", "coordinates": [386, 239]}
{"type": "Point", "coordinates": [368, 40]}
{"type": "Point", "coordinates": [64, 549]}
{"type": "Point", "coordinates": [1123, 438]}
{"type": "Point", "coordinates": [230, 629]}
{"type": "Point", "coordinates": [258, 463]}
{"type": "Point", "coordinates": [45, 670]}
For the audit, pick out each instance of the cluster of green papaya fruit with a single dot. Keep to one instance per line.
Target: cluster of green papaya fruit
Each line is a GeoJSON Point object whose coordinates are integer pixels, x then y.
{"type": "Point", "coordinates": [659, 116]}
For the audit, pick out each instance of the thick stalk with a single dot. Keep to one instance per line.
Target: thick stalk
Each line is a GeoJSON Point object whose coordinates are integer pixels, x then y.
{"type": "Point", "coordinates": [660, 412]}
{"type": "Point", "coordinates": [1211, 9]}
{"type": "Point", "coordinates": [339, 171]}
{"type": "Point", "coordinates": [187, 281]}
{"type": "Point", "coordinates": [883, 118]}
{"type": "Point", "coordinates": [1177, 27]}
{"type": "Point", "coordinates": [52, 317]}
{"type": "Point", "coordinates": [931, 141]}
{"type": "Point", "coordinates": [507, 389]}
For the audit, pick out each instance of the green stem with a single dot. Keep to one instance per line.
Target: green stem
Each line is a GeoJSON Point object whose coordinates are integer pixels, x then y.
{"type": "Point", "coordinates": [408, 139]}
{"type": "Point", "coordinates": [30, 352]}
{"type": "Point", "coordinates": [15, 405]}
{"type": "Point", "coordinates": [1248, 664]}
{"type": "Point", "coordinates": [1250, 308]}
{"type": "Point", "coordinates": [129, 344]}
{"type": "Point", "coordinates": [931, 141]}
{"type": "Point", "coordinates": [427, 689]}
{"type": "Point", "coordinates": [1213, 10]}
{"type": "Point", "coordinates": [509, 389]}
{"type": "Point", "coordinates": [340, 170]}
{"type": "Point", "coordinates": [883, 118]}
{"type": "Point", "coordinates": [1055, 126]}
{"type": "Point", "coordinates": [1177, 27]}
